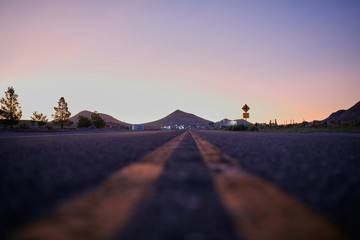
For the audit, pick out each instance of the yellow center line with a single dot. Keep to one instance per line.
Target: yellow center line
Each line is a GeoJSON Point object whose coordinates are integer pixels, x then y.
{"type": "Point", "coordinates": [103, 212]}
{"type": "Point", "coordinates": [260, 210]}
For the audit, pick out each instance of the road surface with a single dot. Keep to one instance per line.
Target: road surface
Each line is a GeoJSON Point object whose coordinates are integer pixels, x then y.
{"type": "Point", "coordinates": [179, 185]}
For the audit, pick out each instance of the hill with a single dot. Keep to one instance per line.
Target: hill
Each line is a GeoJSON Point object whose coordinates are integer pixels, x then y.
{"type": "Point", "coordinates": [108, 119]}
{"type": "Point", "coordinates": [343, 116]}
{"type": "Point", "coordinates": [178, 118]}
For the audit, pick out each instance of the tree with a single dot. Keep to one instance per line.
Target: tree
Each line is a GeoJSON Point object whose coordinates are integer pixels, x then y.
{"type": "Point", "coordinates": [97, 121]}
{"type": "Point", "coordinates": [10, 108]}
{"type": "Point", "coordinates": [62, 113]}
{"type": "Point", "coordinates": [83, 122]}
{"type": "Point", "coordinates": [40, 118]}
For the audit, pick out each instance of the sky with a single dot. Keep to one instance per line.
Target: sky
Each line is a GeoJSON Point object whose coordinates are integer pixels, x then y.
{"type": "Point", "coordinates": [141, 60]}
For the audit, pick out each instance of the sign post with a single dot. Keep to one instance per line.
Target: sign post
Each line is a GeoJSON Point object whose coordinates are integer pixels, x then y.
{"type": "Point", "coordinates": [246, 115]}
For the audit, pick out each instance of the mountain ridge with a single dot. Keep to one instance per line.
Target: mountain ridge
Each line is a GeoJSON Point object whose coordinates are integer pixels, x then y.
{"type": "Point", "coordinates": [351, 114]}
{"type": "Point", "coordinates": [179, 117]}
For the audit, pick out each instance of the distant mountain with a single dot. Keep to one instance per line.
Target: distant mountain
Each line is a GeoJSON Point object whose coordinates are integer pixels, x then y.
{"type": "Point", "coordinates": [178, 118]}
{"type": "Point", "coordinates": [349, 115]}
{"type": "Point", "coordinates": [108, 119]}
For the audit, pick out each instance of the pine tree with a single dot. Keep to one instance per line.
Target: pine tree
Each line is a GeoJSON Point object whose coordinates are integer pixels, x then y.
{"type": "Point", "coordinates": [40, 118]}
{"type": "Point", "coordinates": [10, 108]}
{"type": "Point", "coordinates": [62, 113]}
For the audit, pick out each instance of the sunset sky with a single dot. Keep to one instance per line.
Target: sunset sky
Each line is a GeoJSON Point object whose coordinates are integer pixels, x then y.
{"type": "Point", "coordinates": [141, 60]}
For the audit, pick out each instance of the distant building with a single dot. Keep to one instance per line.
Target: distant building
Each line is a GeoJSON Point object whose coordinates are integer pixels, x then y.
{"type": "Point", "coordinates": [227, 123]}
{"type": "Point", "coordinates": [137, 127]}
{"type": "Point", "coordinates": [167, 127]}
{"type": "Point", "coordinates": [180, 127]}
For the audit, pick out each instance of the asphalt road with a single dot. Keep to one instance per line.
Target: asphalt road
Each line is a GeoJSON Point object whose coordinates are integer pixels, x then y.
{"type": "Point", "coordinates": [38, 171]}
{"type": "Point", "coordinates": [168, 186]}
{"type": "Point", "coordinates": [321, 169]}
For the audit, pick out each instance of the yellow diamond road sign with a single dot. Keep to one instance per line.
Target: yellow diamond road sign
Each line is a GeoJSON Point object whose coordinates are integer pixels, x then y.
{"type": "Point", "coordinates": [246, 108]}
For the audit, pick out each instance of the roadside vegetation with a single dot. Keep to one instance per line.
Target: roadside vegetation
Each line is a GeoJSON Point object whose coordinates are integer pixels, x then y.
{"type": "Point", "coordinates": [11, 113]}
{"type": "Point", "coordinates": [62, 114]}
{"type": "Point", "coordinates": [240, 127]}
{"type": "Point", "coordinates": [315, 126]}
{"type": "Point", "coordinates": [305, 127]}
{"type": "Point", "coordinates": [38, 118]}
{"type": "Point", "coordinates": [83, 122]}
{"type": "Point", "coordinates": [95, 122]}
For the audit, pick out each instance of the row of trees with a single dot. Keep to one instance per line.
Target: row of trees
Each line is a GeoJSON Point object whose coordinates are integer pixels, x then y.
{"type": "Point", "coordinates": [10, 113]}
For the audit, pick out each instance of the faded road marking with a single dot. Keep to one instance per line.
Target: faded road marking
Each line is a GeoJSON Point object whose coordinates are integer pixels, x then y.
{"type": "Point", "coordinates": [103, 212]}
{"type": "Point", "coordinates": [259, 209]}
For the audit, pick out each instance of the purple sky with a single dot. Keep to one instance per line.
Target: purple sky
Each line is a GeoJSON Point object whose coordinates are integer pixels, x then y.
{"type": "Point", "coordinates": [141, 60]}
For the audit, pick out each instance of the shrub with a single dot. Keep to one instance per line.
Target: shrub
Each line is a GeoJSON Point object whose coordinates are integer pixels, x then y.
{"type": "Point", "coordinates": [83, 122]}
{"type": "Point", "coordinates": [40, 118]}
{"type": "Point", "coordinates": [97, 121]}
{"type": "Point", "coordinates": [238, 128]}
{"type": "Point", "coordinates": [254, 128]}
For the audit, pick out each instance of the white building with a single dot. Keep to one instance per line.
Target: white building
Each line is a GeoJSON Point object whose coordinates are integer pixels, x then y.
{"type": "Point", "coordinates": [137, 127]}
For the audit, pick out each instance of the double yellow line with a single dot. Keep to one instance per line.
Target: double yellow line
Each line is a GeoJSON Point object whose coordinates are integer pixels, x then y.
{"type": "Point", "coordinates": [259, 210]}
{"type": "Point", "coordinates": [101, 213]}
